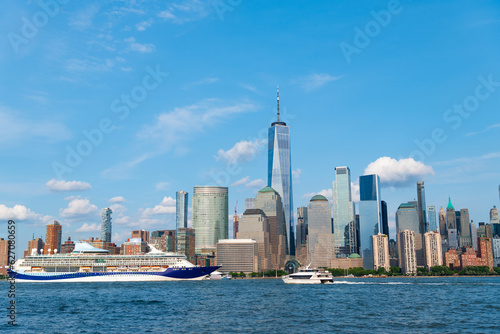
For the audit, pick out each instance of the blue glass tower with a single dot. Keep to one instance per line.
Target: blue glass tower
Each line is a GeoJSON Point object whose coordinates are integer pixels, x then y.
{"type": "Point", "coordinates": [343, 213]}
{"type": "Point", "coordinates": [370, 216]}
{"type": "Point", "coordinates": [431, 218]}
{"type": "Point", "coordinates": [106, 224]}
{"type": "Point", "coordinates": [181, 209]}
{"type": "Point", "coordinates": [279, 172]}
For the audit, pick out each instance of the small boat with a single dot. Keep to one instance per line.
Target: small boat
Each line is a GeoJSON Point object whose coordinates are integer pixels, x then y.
{"type": "Point", "coordinates": [217, 275]}
{"type": "Point", "coordinates": [309, 276]}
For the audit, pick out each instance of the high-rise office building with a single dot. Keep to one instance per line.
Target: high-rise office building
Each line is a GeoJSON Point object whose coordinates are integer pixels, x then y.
{"type": "Point", "coordinates": [442, 224]}
{"type": "Point", "coordinates": [254, 225]}
{"type": "Point", "coordinates": [433, 249]}
{"type": "Point", "coordinates": [407, 218]}
{"type": "Point", "coordinates": [473, 234]}
{"type": "Point", "coordinates": [407, 255]}
{"type": "Point", "coordinates": [181, 209]}
{"type": "Point", "coordinates": [320, 241]}
{"type": "Point", "coordinates": [343, 213]}
{"type": "Point", "coordinates": [269, 201]}
{"type": "Point", "coordinates": [451, 225]}
{"type": "Point", "coordinates": [422, 215]}
{"type": "Point", "coordinates": [53, 238]}
{"type": "Point", "coordinates": [370, 216]}
{"type": "Point", "coordinates": [210, 217]}
{"type": "Point", "coordinates": [385, 219]}
{"type": "Point", "coordinates": [431, 218]}
{"type": "Point", "coordinates": [279, 173]}
{"type": "Point", "coordinates": [35, 246]}
{"type": "Point", "coordinates": [186, 243]}
{"type": "Point", "coordinates": [495, 245]}
{"type": "Point", "coordinates": [249, 203]}
{"type": "Point", "coordinates": [380, 251]}
{"type": "Point", "coordinates": [464, 238]}
{"type": "Point", "coordinates": [106, 224]}
{"type": "Point", "coordinates": [301, 237]}
{"type": "Point", "coordinates": [485, 252]}
{"type": "Point", "coordinates": [494, 218]}
{"type": "Point", "coordinates": [238, 255]}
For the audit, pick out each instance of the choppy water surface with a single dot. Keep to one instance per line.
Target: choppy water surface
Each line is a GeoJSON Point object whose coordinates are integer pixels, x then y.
{"type": "Point", "coordinates": [409, 305]}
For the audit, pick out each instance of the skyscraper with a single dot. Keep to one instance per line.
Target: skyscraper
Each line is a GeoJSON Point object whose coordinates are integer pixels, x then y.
{"type": "Point", "coordinates": [106, 224]}
{"type": "Point", "coordinates": [451, 225]}
{"type": "Point", "coordinates": [254, 225]}
{"type": "Point", "coordinates": [301, 235]}
{"type": "Point", "coordinates": [433, 249]}
{"type": "Point", "coordinates": [343, 213]}
{"type": "Point", "coordinates": [431, 218]}
{"type": "Point", "coordinates": [269, 201]}
{"type": "Point", "coordinates": [210, 217]}
{"type": "Point", "coordinates": [422, 215]}
{"type": "Point", "coordinates": [442, 224]}
{"type": "Point", "coordinates": [320, 241]}
{"type": "Point", "coordinates": [407, 218]}
{"type": "Point", "coordinates": [279, 173]}
{"type": "Point", "coordinates": [370, 216]}
{"type": "Point", "coordinates": [464, 238]}
{"type": "Point", "coordinates": [494, 218]}
{"type": "Point", "coordinates": [385, 219]}
{"type": "Point", "coordinates": [53, 238]}
{"type": "Point", "coordinates": [407, 255]}
{"type": "Point", "coordinates": [181, 209]}
{"type": "Point", "coordinates": [473, 234]}
{"type": "Point", "coordinates": [380, 251]}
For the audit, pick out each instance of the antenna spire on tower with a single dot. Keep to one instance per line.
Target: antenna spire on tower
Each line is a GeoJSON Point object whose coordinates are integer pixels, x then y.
{"type": "Point", "coordinates": [278, 101]}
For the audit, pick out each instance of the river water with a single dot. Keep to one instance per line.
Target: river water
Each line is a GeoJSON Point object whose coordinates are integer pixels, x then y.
{"type": "Point", "coordinates": [365, 305]}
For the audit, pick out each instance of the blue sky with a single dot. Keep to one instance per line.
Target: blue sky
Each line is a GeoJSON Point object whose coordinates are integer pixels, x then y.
{"type": "Point", "coordinates": [175, 94]}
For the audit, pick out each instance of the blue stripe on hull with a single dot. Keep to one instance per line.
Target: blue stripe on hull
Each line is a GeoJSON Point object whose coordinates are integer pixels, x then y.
{"type": "Point", "coordinates": [175, 273]}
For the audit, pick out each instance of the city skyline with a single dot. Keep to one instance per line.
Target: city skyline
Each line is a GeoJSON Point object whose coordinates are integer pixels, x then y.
{"type": "Point", "coordinates": [206, 120]}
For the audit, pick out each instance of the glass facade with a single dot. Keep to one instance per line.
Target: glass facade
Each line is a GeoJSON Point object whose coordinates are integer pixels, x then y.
{"type": "Point", "coordinates": [210, 217]}
{"type": "Point", "coordinates": [106, 224]}
{"type": "Point", "coordinates": [279, 176]}
{"type": "Point", "coordinates": [431, 218]}
{"type": "Point", "coordinates": [370, 216]}
{"type": "Point", "coordinates": [343, 213]}
{"type": "Point", "coordinates": [385, 219]}
{"type": "Point", "coordinates": [422, 215]}
{"type": "Point", "coordinates": [320, 240]}
{"type": "Point", "coordinates": [181, 209]}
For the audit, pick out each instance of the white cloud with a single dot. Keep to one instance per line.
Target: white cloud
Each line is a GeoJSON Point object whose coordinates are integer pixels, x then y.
{"type": "Point", "coordinates": [79, 208]}
{"type": "Point", "coordinates": [89, 228]}
{"type": "Point", "coordinates": [84, 18]}
{"type": "Point", "coordinates": [166, 206]}
{"type": "Point", "coordinates": [120, 237]}
{"type": "Point", "coordinates": [249, 87]}
{"type": "Point", "coordinates": [296, 173]}
{"type": "Point", "coordinates": [20, 212]}
{"type": "Point", "coordinates": [187, 11]}
{"type": "Point", "coordinates": [141, 26]}
{"type": "Point", "coordinates": [204, 81]}
{"type": "Point", "coordinates": [488, 128]}
{"type": "Point", "coordinates": [241, 182]}
{"type": "Point", "coordinates": [328, 193]}
{"type": "Point", "coordinates": [174, 127]}
{"type": "Point", "coordinates": [138, 47]}
{"type": "Point", "coordinates": [121, 170]}
{"type": "Point", "coordinates": [241, 151]}
{"type": "Point", "coordinates": [14, 128]}
{"type": "Point", "coordinates": [471, 160]}
{"type": "Point", "coordinates": [118, 209]}
{"type": "Point", "coordinates": [91, 64]}
{"type": "Point", "coordinates": [398, 173]}
{"type": "Point", "coordinates": [355, 191]}
{"type": "Point", "coordinates": [316, 80]}
{"type": "Point", "coordinates": [258, 184]}
{"type": "Point", "coordinates": [62, 185]}
{"type": "Point", "coordinates": [117, 199]}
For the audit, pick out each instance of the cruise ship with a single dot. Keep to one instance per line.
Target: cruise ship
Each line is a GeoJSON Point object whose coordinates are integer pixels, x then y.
{"type": "Point", "coordinates": [90, 264]}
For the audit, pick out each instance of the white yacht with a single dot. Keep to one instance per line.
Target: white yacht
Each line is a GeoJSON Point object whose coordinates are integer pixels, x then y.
{"type": "Point", "coordinates": [309, 276]}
